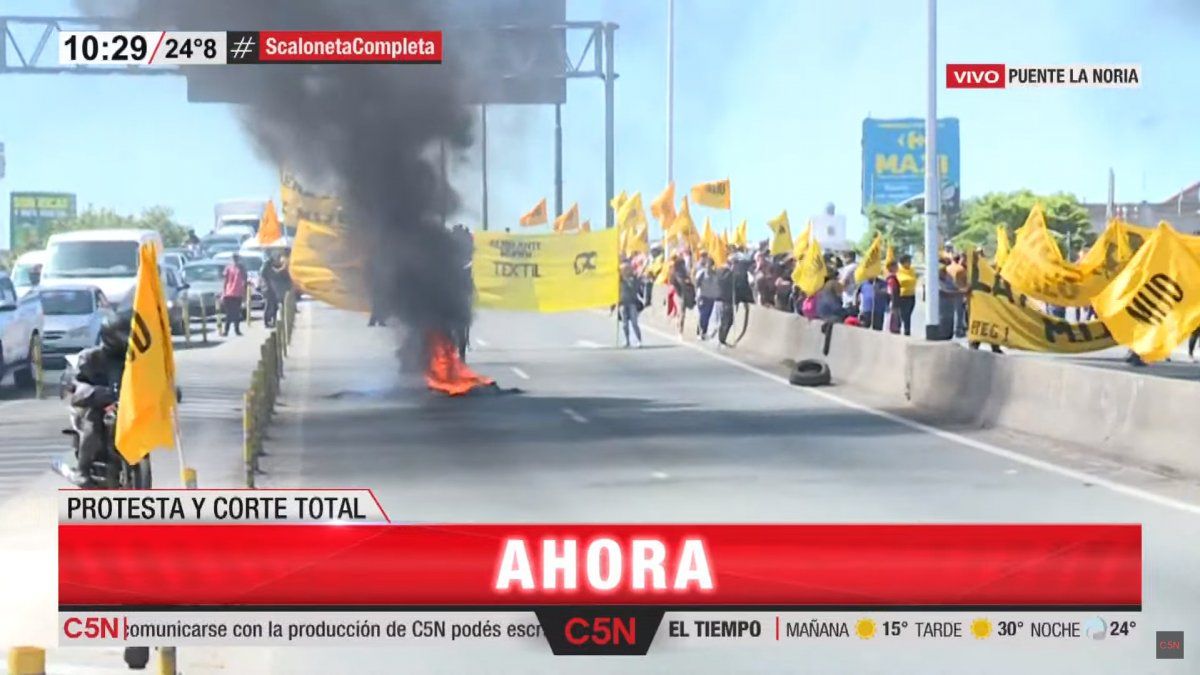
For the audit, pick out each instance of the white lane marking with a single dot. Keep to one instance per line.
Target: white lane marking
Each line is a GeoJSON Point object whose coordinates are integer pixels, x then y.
{"type": "Point", "coordinates": [520, 373]}
{"type": "Point", "coordinates": [996, 450]}
{"type": "Point", "coordinates": [480, 341]}
{"type": "Point", "coordinates": [588, 344]}
{"type": "Point", "coordinates": [575, 416]}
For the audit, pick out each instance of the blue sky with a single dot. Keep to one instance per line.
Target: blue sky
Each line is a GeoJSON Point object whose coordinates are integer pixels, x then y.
{"type": "Point", "coordinates": [769, 92]}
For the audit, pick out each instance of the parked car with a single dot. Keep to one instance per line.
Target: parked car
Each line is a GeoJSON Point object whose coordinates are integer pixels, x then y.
{"type": "Point", "coordinates": [205, 282]}
{"type": "Point", "coordinates": [173, 258]}
{"type": "Point", "coordinates": [219, 242]}
{"type": "Point", "coordinates": [107, 259]}
{"type": "Point", "coordinates": [254, 264]}
{"type": "Point", "coordinates": [27, 271]}
{"type": "Point", "coordinates": [175, 290]}
{"type": "Point", "coordinates": [74, 314]}
{"type": "Point", "coordinates": [21, 322]}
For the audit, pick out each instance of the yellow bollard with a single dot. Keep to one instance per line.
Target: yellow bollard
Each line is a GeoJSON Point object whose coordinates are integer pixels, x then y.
{"type": "Point", "coordinates": [27, 661]}
{"type": "Point", "coordinates": [247, 447]}
{"type": "Point", "coordinates": [187, 320]}
{"type": "Point", "coordinates": [203, 319]}
{"type": "Point", "coordinates": [166, 661]}
{"type": "Point", "coordinates": [249, 295]}
{"type": "Point", "coordinates": [189, 478]}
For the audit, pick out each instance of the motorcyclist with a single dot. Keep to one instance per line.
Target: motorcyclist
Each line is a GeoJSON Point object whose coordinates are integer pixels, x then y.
{"type": "Point", "coordinates": [95, 388]}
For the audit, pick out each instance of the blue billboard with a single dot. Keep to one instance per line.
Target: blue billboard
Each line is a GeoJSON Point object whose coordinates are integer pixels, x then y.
{"type": "Point", "coordinates": [894, 161]}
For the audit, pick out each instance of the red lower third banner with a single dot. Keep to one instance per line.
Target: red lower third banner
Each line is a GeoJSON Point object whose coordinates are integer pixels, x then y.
{"type": "Point", "coordinates": [385, 566]}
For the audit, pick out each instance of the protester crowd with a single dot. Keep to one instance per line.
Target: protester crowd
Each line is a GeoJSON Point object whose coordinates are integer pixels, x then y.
{"type": "Point", "coordinates": [882, 302]}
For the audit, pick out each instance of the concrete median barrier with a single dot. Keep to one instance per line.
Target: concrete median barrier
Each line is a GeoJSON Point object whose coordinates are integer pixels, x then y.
{"type": "Point", "coordinates": [1127, 416]}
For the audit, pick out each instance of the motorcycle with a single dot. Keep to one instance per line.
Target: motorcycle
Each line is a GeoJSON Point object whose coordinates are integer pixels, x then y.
{"type": "Point", "coordinates": [109, 470]}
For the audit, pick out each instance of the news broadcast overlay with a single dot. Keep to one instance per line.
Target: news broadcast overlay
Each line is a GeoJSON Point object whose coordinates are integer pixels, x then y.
{"type": "Point", "coordinates": [1001, 76]}
{"type": "Point", "coordinates": [196, 48]}
{"type": "Point", "coordinates": [328, 567]}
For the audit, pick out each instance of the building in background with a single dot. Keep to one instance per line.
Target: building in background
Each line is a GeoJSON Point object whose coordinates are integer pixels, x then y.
{"type": "Point", "coordinates": [1181, 210]}
{"type": "Point", "coordinates": [829, 228]}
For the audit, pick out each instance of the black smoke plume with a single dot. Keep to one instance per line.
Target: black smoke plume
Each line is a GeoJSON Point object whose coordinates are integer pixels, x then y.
{"type": "Point", "coordinates": [372, 134]}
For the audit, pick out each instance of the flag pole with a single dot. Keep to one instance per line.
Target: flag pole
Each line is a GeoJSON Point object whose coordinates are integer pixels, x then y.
{"type": "Point", "coordinates": [670, 91]}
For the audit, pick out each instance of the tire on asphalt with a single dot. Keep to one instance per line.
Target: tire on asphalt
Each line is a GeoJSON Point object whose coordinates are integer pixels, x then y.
{"type": "Point", "coordinates": [810, 373]}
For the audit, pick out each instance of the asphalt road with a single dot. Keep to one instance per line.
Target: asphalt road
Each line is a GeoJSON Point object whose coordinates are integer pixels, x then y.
{"type": "Point", "coordinates": [675, 432]}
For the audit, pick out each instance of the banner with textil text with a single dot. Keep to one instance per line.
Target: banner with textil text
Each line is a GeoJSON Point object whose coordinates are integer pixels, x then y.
{"type": "Point", "coordinates": [546, 273]}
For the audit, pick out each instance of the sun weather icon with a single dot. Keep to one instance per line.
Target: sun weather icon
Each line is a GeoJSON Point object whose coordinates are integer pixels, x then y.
{"type": "Point", "coordinates": [865, 629]}
{"type": "Point", "coordinates": [981, 629]}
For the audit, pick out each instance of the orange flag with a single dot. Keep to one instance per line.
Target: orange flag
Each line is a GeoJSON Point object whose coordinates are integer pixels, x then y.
{"type": "Point", "coordinates": [268, 228]}
{"type": "Point", "coordinates": [535, 216]}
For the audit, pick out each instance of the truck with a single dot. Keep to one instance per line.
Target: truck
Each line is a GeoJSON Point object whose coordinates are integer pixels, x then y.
{"type": "Point", "coordinates": [238, 214]}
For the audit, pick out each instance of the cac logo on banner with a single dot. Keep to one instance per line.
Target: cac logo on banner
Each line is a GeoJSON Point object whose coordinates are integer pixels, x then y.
{"type": "Point", "coordinates": [585, 262]}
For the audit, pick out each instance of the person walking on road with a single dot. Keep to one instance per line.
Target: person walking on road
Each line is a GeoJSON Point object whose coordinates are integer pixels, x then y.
{"type": "Point", "coordinates": [233, 295]}
{"type": "Point", "coordinates": [276, 282]}
{"type": "Point", "coordinates": [630, 305]}
{"type": "Point", "coordinates": [708, 288]}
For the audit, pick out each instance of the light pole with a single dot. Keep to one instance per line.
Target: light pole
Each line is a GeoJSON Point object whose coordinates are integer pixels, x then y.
{"type": "Point", "coordinates": [670, 91]}
{"type": "Point", "coordinates": [933, 193]}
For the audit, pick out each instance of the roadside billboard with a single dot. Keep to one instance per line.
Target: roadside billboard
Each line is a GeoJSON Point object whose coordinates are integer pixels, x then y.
{"type": "Point", "coordinates": [894, 161]}
{"type": "Point", "coordinates": [31, 214]}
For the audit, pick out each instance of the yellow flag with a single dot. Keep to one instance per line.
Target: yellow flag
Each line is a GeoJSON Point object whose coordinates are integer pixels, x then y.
{"type": "Point", "coordinates": [147, 397]}
{"type": "Point", "coordinates": [714, 194]}
{"type": "Point", "coordinates": [871, 265]}
{"type": "Point", "coordinates": [781, 234]}
{"type": "Point", "coordinates": [889, 258]}
{"type": "Point", "coordinates": [719, 251]}
{"type": "Point", "coordinates": [1154, 303]}
{"type": "Point", "coordinates": [802, 241]}
{"type": "Point", "coordinates": [663, 207]}
{"type": "Point", "coordinates": [617, 201]}
{"type": "Point", "coordinates": [538, 215]}
{"type": "Point", "coordinates": [1035, 261]}
{"type": "Point", "coordinates": [809, 274]}
{"type": "Point", "coordinates": [546, 273]}
{"type": "Point", "coordinates": [740, 238]}
{"type": "Point", "coordinates": [685, 229]}
{"type": "Point", "coordinates": [268, 228]}
{"type": "Point", "coordinates": [632, 226]}
{"type": "Point", "coordinates": [323, 264]}
{"type": "Point", "coordinates": [1002, 246]}
{"type": "Point", "coordinates": [707, 236]}
{"type": "Point", "coordinates": [569, 221]}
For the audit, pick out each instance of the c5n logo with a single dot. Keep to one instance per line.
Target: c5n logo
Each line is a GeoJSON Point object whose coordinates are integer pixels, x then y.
{"type": "Point", "coordinates": [1155, 300]}
{"type": "Point", "coordinates": [585, 262]}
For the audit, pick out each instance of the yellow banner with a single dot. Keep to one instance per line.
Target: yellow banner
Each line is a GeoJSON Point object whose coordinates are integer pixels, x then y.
{"type": "Point", "coordinates": [535, 216]}
{"type": "Point", "coordinates": [1003, 246]}
{"type": "Point", "coordinates": [1154, 303]}
{"type": "Point", "coordinates": [740, 238]}
{"type": "Point", "coordinates": [714, 194]}
{"type": "Point", "coordinates": [999, 315]}
{"type": "Point", "coordinates": [1035, 266]}
{"type": "Point", "coordinates": [297, 204]}
{"type": "Point", "coordinates": [323, 265]}
{"type": "Point", "coordinates": [546, 273]}
{"type": "Point", "coordinates": [146, 419]}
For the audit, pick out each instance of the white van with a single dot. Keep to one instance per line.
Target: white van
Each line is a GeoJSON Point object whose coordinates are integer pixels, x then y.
{"type": "Point", "coordinates": [107, 259]}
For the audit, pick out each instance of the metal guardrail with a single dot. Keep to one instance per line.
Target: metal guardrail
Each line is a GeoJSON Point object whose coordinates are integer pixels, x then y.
{"type": "Point", "coordinates": [258, 403]}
